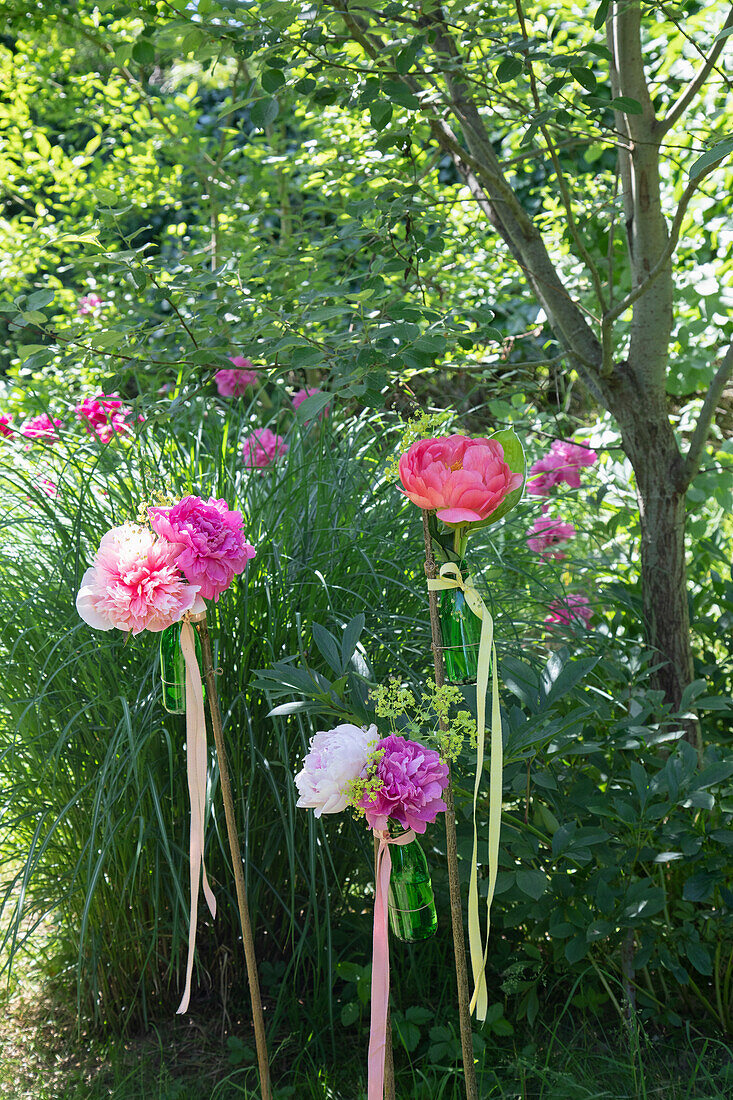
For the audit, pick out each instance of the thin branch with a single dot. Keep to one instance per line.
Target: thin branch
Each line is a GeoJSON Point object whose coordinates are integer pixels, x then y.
{"type": "Point", "coordinates": [704, 420]}
{"type": "Point", "coordinates": [694, 87]}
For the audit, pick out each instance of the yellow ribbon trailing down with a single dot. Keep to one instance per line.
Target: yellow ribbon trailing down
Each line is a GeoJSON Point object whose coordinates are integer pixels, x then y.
{"type": "Point", "coordinates": [450, 577]}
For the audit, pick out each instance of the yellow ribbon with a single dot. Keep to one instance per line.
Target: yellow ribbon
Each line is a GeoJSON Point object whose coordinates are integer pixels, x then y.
{"type": "Point", "coordinates": [450, 577]}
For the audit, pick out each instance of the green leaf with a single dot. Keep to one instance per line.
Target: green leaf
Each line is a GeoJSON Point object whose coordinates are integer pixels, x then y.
{"type": "Point", "coordinates": [712, 156]}
{"type": "Point", "coordinates": [272, 80]}
{"type": "Point", "coordinates": [310, 408]}
{"type": "Point", "coordinates": [508, 69]}
{"type": "Point", "coordinates": [627, 105]}
{"type": "Point", "coordinates": [601, 14]}
{"type": "Point", "coordinates": [576, 948]}
{"type": "Point", "coordinates": [350, 637]}
{"type": "Point", "coordinates": [699, 958]}
{"type": "Point", "coordinates": [584, 77]}
{"type": "Point", "coordinates": [328, 647]}
{"type": "Point", "coordinates": [380, 113]}
{"type": "Point", "coordinates": [264, 112]}
{"type": "Point", "coordinates": [39, 299]}
{"type": "Point", "coordinates": [532, 882]}
{"type": "Point", "coordinates": [349, 1014]}
{"type": "Point", "coordinates": [143, 52]}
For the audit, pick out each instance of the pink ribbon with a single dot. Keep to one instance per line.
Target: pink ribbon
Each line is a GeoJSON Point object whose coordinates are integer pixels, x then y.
{"type": "Point", "coordinates": [380, 962]}
{"type": "Point", "coordinates": [196, 760]}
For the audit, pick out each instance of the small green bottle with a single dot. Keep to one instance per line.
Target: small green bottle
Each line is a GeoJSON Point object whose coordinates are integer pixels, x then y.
{"type": "Point", "coordinates": [173, 668]}
{"type": "Point", "coordinates": [461, 632]}
{"type": "Point", "coordinates": [412, 915]}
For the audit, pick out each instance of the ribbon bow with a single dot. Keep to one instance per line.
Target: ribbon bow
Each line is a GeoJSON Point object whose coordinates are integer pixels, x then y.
{"type": "Point", "coordinates": [196, 754]}
{"type": "Point", "coordinates": [380, 962]}
{"type": "Point", "coordinates": [450, 577]}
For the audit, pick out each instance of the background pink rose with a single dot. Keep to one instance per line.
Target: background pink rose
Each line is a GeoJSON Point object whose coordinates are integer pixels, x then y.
{"type": "Point", "coordinates": [104, 416]}
{"type": "Point", "coordinates": [42, 429]}
{"type": "Point", "coordinates": [573, 608]}
{"type": "Point", "coordinates": [261, 447]}
{"type": "Point", "coordinates": [562, 463]}
{"type": "Point", "coordinates": [548, 531]}
{"type": "Point", "coordinates": [233, 383]}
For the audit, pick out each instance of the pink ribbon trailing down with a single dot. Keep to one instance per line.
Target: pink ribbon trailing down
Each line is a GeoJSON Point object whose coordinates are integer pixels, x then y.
{"type": "Point", "coordinates": [196, 759]}
{"type": "Point", "coordinates": [380, 962]}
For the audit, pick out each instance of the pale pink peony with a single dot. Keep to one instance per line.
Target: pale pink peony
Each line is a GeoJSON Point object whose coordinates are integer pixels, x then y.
{"type": "Point", "coordinates": [463, 479]}
{"type": "Point", "coordinates": [546, 532]}
{"type": "Point", "coordinates": [135, 583]}
{"type": "Point", "coordinates": [300, 395]}
{"type": "Point", "coordinates": [413, 780]}
{"type": "Point", "coordinates": [104, 416]}
{"type": "Point", "coordinates": [233, 383]}
{"type": "Point", "coordinates": [5, 422]}
{"type": "Point", "coordinates": [561, 463]}
{"type": "Point", "coordinates": [335, 758]}
{"type": "Point", "coordinates": [90, 303]}
{"type": "Point", "coordinates": [261, 447]}
{"type": "Point", "coordinates": [573, 608]}
{"type": "Point", "coordinates": [209, 539]}
{"type": "Point", "coordinates": [42, 429]}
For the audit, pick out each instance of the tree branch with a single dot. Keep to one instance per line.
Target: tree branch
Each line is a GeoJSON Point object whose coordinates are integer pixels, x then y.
{"type": "Point", "coordinates": [695, 450]}
{"type": "Point", "coordinates": [694, 87]}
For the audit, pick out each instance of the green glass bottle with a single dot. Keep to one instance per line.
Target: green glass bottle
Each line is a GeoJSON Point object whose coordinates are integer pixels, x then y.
{"type": "Point", "coordinates": [412, 915]}
{"type": "Point", "coordinates": [173, 668]}
{"type": "Point", "coordinates": [461, 632]}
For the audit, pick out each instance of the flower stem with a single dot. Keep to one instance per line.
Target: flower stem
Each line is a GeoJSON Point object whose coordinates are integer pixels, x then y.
{"type": "Point", "coordinates": [451, 848]}
{"type": "Point", "coordinates": [236, 854]}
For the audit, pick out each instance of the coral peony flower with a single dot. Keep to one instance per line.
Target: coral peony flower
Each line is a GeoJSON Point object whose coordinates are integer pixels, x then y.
{"type": "Point", "coordinates": [90, 303]}
{"type": "Point", "coordinates": [5, 422]}
{"type": "Point", "coordinates": [104, 416]}
{"type": "Point", "coordinates": [135, 583]}
{"type": "Point", "coordinates": [310, 391]}
{"type": "Point", "coordinates": [261, 447]}
{"type": "Point", "coordinates": [573, 608]}
{"type": "Point", "coordinates": [464, 479]}
{"type": "Point", "coordinates": [335, 758]}
{"type": "Point", "coordinates": [233, 383]}
{"type": "Point", "coordinates": [209, 539]}
{"type": "Point", "coordinates": [42, 429]}
{"type": "Point", "coordinates": [561, 463]}
{"type": "Point", "coordinates": [413, 780]}
{"type": "Point", "coordinates": [547, 531]}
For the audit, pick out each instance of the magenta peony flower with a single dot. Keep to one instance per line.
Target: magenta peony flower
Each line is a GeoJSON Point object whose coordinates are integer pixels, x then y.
{"type": "Point", "coordinates": [233, 383]}
{"type": "Point", "coordinates": [135, 583]}
{"type": "Point", "coordinates": [104, 416]}
{"type": "Point", "coordinates": [42, 429]}
{"type": "Point", "coordinates": [547, 531]}
{"type": "Point", "coordinates": [299, 397]}
{"type": "Point", "coordinates": [209, 540]}
{"type": "Point", "coordinates": [413, 779]}
{"type": "Point", "coordinates": [90, 303]}
{"type": "Point", "coordinates": [573, 608]}
{"type": "Point", "coordinates": [464, 479]}
{"type": "Point", "coordinates": [562, 463]}
{"type": "Point", "coordinates": [261, 447]}
{"type": "Point", "coordinates": [5, 422]}
{"type": "Point", "coordinates": [335, 758]}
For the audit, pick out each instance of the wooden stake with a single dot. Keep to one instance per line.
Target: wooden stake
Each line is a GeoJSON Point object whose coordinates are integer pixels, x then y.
{"type": "Point", "coordinates": [226, 792]}
{"type": "Point", "coordinates": [451, 848]}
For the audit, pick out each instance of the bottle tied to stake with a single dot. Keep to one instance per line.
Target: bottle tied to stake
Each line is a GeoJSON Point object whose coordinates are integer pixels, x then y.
{"type": "Point", "coordinates": [461, 633]}
{"type": "Point", "coordinates": [412, 915]}
{"type": "Point", "coordinates": [173, 668]}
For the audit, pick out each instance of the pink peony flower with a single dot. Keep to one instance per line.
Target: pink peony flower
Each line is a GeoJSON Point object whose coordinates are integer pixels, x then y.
{"type": "Point", "coordinates": [42, 429]}
{"type": "Point", "coordinates": [233, 383]}
{"type": "Point", "coordinates": [573, 608]}
{"type": "Point", "coordinates": [547, 531]}
{"type": "Point", "coordinates": [262, 447]}
{"type": "Point", "coordinates": [300, 395]}
{"type": "Point", "coordinates": [335, 758]}
{"type": "Point", "coordinates": [464, 479]}
{"type": "Point", "coordinates": [561, 463]}
{"type": "Point", "coordinates": [104, 416]}
{"type": "Point", "coordinates": [5, 422]}
{"type": "Point", "coordinates": [413, 779]}
{"type": "Point", "coordinates": [135, 583]}
{"type": "Point", "coordinates": [90, 303]}
{"type": "Point", "coordinates": [209, 540]}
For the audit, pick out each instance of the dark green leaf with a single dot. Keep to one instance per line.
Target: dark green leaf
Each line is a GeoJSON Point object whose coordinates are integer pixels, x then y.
{"type": "Point", "coordinates": [380, 114]}
{"type": "Point", "coordinates": [508, 69]}
{"type": "Point", "coordinates": [264, 112]}
{"type": "Point", "coordinates": [627, 105]}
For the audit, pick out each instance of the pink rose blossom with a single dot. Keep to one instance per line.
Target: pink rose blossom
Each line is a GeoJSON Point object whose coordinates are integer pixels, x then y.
{"type": "Point", "coordinates": [547, 531]}
{"type": "Point", "coordinates": [233, 383]}
{"type": "Point", "coordinates": [50, 488]}
{"type": "Point", "coordinates": [5, 422]}
{"type": "Point", "coordinates": [42, 429]}
{"type": "Point", "coordinates": [104, 416]}
{"type": "Point", "coordinates": [561, 463]}
{"type": "Point", "coordinates": [335, 758]}
{"type": "Point", "coordinates": [262, 447]}
{"type": "Point", "coordinates": [464, 479]}
{"type": "Point", "coordinates": [413, 780]}
{"type": "Point", "coordinates": [300, 395]}
{"type": "Point", "coordinates": [90, 303]}
{"type": "Point", "coordinates": [135, 583]}
{"type": "Point", "coordinates": [209, 540]}
{"type": "Point", "coordinates": [573, 608]}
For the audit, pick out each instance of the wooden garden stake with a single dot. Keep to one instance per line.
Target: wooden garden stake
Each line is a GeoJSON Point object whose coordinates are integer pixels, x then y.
{"type": "Point", "coordinates": [451, 849]}
{"type": "Point", "coordinates": [226, 791]}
